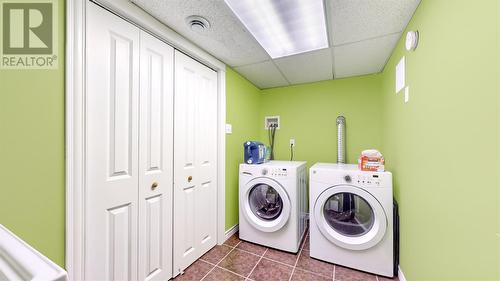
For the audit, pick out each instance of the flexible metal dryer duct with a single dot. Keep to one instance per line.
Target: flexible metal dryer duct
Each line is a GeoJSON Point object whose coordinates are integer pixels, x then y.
{"type": "Point", "coordinates": [341, 140]}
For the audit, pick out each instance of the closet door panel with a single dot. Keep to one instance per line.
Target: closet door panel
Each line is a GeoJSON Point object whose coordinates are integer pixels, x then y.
{"type": "Point", "coordinates": [186, 86]}
{"type": "Point", "coordinates": [111, 125]}
{"type": "Point", "coordinates": [195, 143]}
{"type": "Point", "coordinates": [156, 159]}
{"type": "Point", "coordinates": [207, 150]}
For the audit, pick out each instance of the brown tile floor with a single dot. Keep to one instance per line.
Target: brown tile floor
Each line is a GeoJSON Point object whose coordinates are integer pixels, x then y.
{"type": "Point", "coordinates": [240, 260]}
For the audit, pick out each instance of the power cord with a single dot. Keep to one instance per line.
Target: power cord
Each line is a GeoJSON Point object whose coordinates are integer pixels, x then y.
{"type": "Point", "coordinates": [291, 152]}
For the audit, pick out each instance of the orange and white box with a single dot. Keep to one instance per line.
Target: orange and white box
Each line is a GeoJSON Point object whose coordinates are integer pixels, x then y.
{"type": "Point", "coordinates": [371, 160]}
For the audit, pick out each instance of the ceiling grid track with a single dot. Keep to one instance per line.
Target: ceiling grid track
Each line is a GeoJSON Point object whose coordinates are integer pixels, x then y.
{"type": "Point", "coordinates": [367, 39]}
{"type": "Point", "coordinates": [281, 72]}
{"type": "Point", "coordinates": [329, 33]}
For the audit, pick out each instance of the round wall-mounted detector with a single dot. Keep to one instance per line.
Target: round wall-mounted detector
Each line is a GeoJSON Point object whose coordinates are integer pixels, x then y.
{"type": "Point", "coordinates": [197, 23]}
{"type": "Point", "coordinates": [411, 40]}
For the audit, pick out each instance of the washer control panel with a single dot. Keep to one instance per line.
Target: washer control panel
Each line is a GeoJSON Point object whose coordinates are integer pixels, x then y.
{"type": "Point", "coordinates": [365, 180]}
{"type": "Point", "coordinates": [275, 172]}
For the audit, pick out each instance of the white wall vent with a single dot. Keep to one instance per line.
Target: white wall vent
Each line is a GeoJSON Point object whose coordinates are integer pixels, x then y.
{"type": "Point", "coordinates": [271, 120]}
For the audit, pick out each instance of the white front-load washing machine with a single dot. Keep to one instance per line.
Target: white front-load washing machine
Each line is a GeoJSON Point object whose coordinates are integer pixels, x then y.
{"type": "Point", "coordinates": [351, 217]}
{"type": "Point", "coordinates": [273, 204]}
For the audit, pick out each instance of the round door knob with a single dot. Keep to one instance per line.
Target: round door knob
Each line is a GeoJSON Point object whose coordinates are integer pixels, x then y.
{"type": "Point", "coordinates": [190, 178]}
{"type": "Point", "coordinates": [154, 185]}
{"type": "Point", "coordinates": [347, 178]}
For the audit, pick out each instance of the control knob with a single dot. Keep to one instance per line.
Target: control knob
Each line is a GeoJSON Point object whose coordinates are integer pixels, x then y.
{"type": "Point", "coordinates": [347, 178]}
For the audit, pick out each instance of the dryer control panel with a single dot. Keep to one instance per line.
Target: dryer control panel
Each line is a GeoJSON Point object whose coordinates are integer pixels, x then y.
{"type": "Point", "coordinates": [336, 174]}
{"type": "Point", "coordinates": [367, 180]}
{"type": "Point", "coordinates": [275, 172]}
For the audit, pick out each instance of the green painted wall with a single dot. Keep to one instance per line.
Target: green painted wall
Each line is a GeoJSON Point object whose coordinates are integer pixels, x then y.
{"type": "Point", "coordinates": [32, 154]}
{"type": "Point", "coordinates": [308, 112]}
{"type": "Point", "coordinates": [243, 101]}
{"type": "Point", "coordinates": [443, 145]}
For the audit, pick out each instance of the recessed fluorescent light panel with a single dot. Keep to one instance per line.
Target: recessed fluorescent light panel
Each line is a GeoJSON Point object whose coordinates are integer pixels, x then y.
{"type": "Point", "coordinates": [284, 27]}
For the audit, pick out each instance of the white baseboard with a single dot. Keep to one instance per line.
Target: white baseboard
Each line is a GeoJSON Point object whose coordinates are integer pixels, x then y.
{"type": "Point", "coordinates": [230, 232]}
{"type": "Point", "coordinates": [401, 276]}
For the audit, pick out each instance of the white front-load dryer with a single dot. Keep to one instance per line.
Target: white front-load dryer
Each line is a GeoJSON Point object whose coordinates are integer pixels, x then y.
{"type": "Point", "coordinates": [273, 204]}
{"type": "Point", "coordinates": [351, 217]}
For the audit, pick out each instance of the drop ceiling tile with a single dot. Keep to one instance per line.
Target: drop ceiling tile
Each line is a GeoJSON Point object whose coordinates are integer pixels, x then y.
{"type": "Point", "coordinates": [349, 21]}
{"type": "Point", "coordinates": [365, 57]}
{"type": "Point", "coordinates": [263, 75]}
{"type": "Point", "coordinates": [307, 67]}
{"type": "Point", "coordinates": [356, 20]}
{"type": "Point", "coordinates": [227, 38]}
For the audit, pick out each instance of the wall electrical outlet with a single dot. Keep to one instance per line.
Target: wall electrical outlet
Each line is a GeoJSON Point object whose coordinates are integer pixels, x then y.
{"type": "Point", "coordinates": [292, 142]}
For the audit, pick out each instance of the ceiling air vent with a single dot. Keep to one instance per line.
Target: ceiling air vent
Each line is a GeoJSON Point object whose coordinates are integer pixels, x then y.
{"type": "Point", "coordinates": [197, 23]}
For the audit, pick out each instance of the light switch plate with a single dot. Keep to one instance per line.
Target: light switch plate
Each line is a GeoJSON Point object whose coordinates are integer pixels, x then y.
{"type": "Point", "coordinates": [400, 75]}
{"type": "Point", "coordinates": [407, 94]}
{"type": "Point", "coordinates": [229, 129]}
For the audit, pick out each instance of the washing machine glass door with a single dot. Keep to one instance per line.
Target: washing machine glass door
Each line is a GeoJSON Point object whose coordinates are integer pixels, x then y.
{"type": "Point", "coordinates": [266, 204]}
{"type": "Point", "coordinates": [350, 217]}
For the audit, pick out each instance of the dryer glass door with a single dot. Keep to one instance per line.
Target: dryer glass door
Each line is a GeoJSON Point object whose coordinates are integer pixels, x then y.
{"type": "Point", "coordinates": [350, 217]}
{"type": "Point", "coordinates": [349, 214]}
{"type": "Point", "coordinates": [265, 202]}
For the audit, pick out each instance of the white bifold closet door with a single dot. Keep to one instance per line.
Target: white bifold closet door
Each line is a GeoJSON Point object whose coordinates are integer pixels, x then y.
{"type": "Point", "coordinates": [195, 161]}
{"type": "Point", "coordinates": [128, 151]}
{"type": "Point", "coordinates": [155, 159]}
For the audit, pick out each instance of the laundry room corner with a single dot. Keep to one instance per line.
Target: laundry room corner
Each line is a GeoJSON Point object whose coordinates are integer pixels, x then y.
{"type": "Point", "coordinates": [243, 101]}
{"type": "Point", "coordinates": [307, 115]}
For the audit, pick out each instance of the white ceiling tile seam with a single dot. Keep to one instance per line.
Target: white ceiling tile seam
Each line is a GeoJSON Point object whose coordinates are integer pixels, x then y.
{"type": "Point", "coordinates": [368, 39]}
